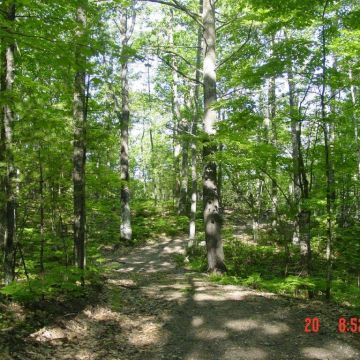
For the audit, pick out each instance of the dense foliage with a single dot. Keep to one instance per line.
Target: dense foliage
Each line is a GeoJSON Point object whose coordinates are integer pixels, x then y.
{"type": "Point", "coordinates": [284, 154]}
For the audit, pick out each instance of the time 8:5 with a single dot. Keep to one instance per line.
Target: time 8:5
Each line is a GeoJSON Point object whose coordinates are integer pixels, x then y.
{"type": "Point", "coordinates": [351, 325]}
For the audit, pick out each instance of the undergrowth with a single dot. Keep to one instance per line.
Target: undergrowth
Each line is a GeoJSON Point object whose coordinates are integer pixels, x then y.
{"type": "Point", "coordinates": [62, 280]}
{"type": "Point", "coordinates": [263, 267]}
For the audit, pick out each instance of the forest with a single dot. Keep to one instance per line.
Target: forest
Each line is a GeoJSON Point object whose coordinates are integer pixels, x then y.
{"type": "Point", "coordinates": [179, 179]}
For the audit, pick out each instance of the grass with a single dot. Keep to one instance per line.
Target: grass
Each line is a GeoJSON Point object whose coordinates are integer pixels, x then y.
{"type": "Point", "coordinates": [295, 286]}
{"type": "Point", "coordinates": [149, 222]}
{"type": "Point", "coordinates": [263, 267]}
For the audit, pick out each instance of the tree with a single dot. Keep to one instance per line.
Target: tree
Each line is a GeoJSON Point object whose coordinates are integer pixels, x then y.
{"type": "Point", "coordinates": [7, 118]}
{"type": "Point", "coordinates": [125, 33]}
{"type": "Point", "coordinates": [212, 211]}
{"type": "Point", "coordinates": [79, 155]}
{"type": "Point", "coordinates": [194, 126]}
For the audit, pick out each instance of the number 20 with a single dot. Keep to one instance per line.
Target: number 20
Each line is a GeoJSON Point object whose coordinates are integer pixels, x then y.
{"type": "Point", "coordinates": [312, 325]}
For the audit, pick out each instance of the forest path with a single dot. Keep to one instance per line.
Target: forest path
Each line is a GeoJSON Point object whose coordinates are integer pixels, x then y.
{"type": "Point", "coordinates": [151, 309]}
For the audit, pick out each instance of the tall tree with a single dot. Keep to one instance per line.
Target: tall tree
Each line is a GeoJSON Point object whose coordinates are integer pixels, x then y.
{"type": "Point", "coordinates": [125, 33]}
{"type": "Point", "coordinates": [8, 116]}
{"type": "Point", "coordinates": [212, 211]}
{"type": "Point", "coordinates": [272, 115]}
{"type": "Point", "coordinates": [79, 150]}
{"type": "Point", "coordinates": [176, 118]}
{"type": "Point", "coordinates": [194, 126]}
{"type": "Point", "coordinates": [302, 234]}
{"type": "Point", "coordinates": [329, 170]}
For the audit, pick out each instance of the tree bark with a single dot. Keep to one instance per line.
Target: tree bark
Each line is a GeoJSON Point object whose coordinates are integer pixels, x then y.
{"type": "Point", "coordinates": [329, 169]}
{"type": "Point", "coordinates": [3, 167]}
{"type": "Point", "coordinates": [125, 228]}
{"type": "Point", "coordinates": [192, 227]}
{"type": "Point", "coordinates": [301, 185]}
{"type": "Point", "coordinates": [184, 127]}
{"type": "Point", "coordinates": [9, 178]}
{"type": "Point", "coordinates": [273, 140]}
{"type": "Point", "coordinates": [212, 212]}
{"type": "Point", "coordinates": [42, 225]}
{"type": "Point", "coordinates": [79, 149]}
{"type": "Point", "coordinates": [177, 150]}
{"type": "Point", "coordinates": [356, 138]}
{"type": "Point", "coordinates": [2, 180]}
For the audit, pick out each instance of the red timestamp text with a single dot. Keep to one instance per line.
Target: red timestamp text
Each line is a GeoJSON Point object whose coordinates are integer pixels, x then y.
{"type": "Point", "coordinates": [312, 325]}
{"type": "Point", "coordinates": [351, 325]}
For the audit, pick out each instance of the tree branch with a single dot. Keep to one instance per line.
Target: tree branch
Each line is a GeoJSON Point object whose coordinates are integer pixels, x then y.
{"type": "Point", "coordinates": [178, 71]}
{"type": "Point", "coordinates": [175, 4]}
{"type": "Point", "coordinates": [237, 50]}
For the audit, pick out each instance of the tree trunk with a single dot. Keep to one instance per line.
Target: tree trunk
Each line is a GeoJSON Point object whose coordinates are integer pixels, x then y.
{"type": "Point", "coordinates": [192, 226]}
{"type": "Point", "coordinates": [2, 180]}
{"type": "Point", "coordinates": [295, 156]}
{"type": "Point", "coordinates": [273, 140]}
{"type": "Point", "coordinates": [154, 167]}
{"type": "Point", "coordinates": [196, 116]}
{"type": "Point", "coordinates": [301, 185]}
{"type": "Point", "coordinates": [125, 228]}
{"type": "Point", "coordinates": [176, 122]}
{"type": "Point", "coordinates": [143, 162]}
{"type": "Point", "coordinates": [329, 170]}
{"type": "Point", "coordinates": [79, 156]}
{"type": "Point", "coordinates": [257, 208]}
{"type": "Point", "coordinates": [7, 79]}
{"type": "Point", "coordinates": [3, 167]}
{"type": "Point", "coordinates": [42, 229]}
{"type": "Point", "coordinates": [356, 138]}
{"type": "Point", "coordinates": [154, 175]}
{"type": "Point", "coordinates": [212, 212]}
{"type": "Point", "coordinates": [184, 127]}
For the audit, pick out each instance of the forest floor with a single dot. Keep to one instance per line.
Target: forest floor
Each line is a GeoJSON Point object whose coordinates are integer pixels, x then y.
{"type": "Point", "coordinates": [152, 309]}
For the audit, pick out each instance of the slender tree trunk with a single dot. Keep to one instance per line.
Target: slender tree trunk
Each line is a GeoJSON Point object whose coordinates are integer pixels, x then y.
{"type": "Point", "coordinates": [3, 168]}
{"type": "Point", "coordinates": [192, 226]}
{"type": "Point", "coordinates": [42, 229]}
{"type": "Point", "coordinates": [329, 170]}
{"type": "Point", "coordinates": [196, 116]}
{"type": "Point", "coordinates": [155, 176]}
{"type": "Point", "coordinates": [79, 156]}
{"type": "Point", "coordinates": [144, 170]}
{"type": "Point", "coordinates": [184, 127]}
{"type": "Point", "coordinates": [212, 212]}
{"type": "Point", "coordinates": [7, 79]}
{"type": "Point", "coordinates": [273, 139]}
{"type": "Point", "coordinates": [295, 137]}
{"type": "Point", "coordinates": [220, 178]}
{"type": "Point", "coordinates": [301, 185]}
{"type": "Point", "coordinates": [125, 228]}
{"type": "Point", "coordinates": [257, 208]}
{"type": "Point", "coordinates": [357, 143]}
{"type": "Point", "coordinates": [176, 121]}
{"type": "Point", "coordinates": [2, 181]}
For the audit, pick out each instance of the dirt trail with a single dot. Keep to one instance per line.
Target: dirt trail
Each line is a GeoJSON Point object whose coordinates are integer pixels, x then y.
{"type": "Point", "coordinates": [153, 310]}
